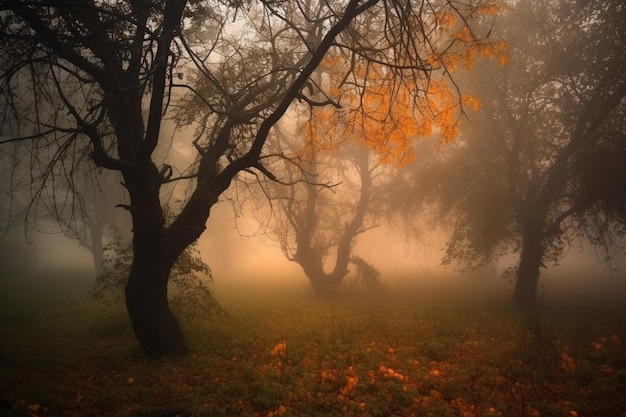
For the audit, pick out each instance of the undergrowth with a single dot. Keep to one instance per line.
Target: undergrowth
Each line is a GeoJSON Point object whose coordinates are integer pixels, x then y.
{"type": "Point", "coordinates": [280, 352]}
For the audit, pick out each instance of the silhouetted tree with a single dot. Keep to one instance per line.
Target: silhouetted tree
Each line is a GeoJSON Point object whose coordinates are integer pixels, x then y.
{"type": "Point", "coordinates": [316, 224]}
{"type": "Point", "coordinates": [541, 163]}
{"type": "Point", "coordinates": [88, 212]}
{"type": "Point", "coordinates": [95, 80]}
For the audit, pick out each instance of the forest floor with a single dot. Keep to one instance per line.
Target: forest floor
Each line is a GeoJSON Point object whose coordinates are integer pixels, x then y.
{"type": "Point", "coordinates": [280, 352]}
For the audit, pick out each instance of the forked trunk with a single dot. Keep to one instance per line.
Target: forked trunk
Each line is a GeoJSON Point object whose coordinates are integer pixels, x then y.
{"type": "Point", "coordinates": [325, 285]}
{"type": "Point", "coordinates": [528, 271]}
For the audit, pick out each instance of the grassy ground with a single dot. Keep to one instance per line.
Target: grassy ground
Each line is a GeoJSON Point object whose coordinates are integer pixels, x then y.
{"type": "Point", "coordinates": [279, 352]}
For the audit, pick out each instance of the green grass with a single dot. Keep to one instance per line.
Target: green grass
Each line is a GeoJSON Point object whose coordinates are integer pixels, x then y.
{"type": "Point", "coordinates": [413, 352]}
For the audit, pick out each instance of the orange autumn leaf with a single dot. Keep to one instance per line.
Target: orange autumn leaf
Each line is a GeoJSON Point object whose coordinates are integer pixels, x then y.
{"type": "Point", "coordinates": [464, 35]}
{"type": "Point", "coordinates": [446, 19]}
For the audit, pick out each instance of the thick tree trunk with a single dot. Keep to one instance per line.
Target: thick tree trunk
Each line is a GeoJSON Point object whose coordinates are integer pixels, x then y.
{"type": "Point", "coordinates": [156, 328]}
{"type": "Point", "coordinates": [311, 259]}
{"type": "Point", "coordinates": [325, 285]}
{"type": "Point", "coordinates": [98, 256]}
{"type": "Point", "coordinates": [525, 293]}
{"type": "Point", "coordinates": [154, 254]}
{"type": "Point", "coordinates": [96, 230]}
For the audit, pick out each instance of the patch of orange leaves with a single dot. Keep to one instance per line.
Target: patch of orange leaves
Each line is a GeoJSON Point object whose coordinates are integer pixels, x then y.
{"type": "Point", "coordinates": [280, 348]}
{"type": "Point", "coordinates": [385, 115]}
{"type": "Point", "coordinates": [387, 109]}
{"type": "Point", "coordinates": [281, 410]}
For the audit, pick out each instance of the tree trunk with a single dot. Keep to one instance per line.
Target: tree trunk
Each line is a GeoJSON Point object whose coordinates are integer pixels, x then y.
{"type": "Point", "coordinates": [96, 231]}
{"type": "Point", "coordinates": [155, 327]}
{"type": "Point", "coordinates": [525, 293]}
{"type": "Point", "coordinates": [154, 255]}
{"type": "Point", "coordinates": [98, 256]}
{"type": "Point", "coordinates": [325, 285]}
{"type": "Point", "coordinates": [311, 259]}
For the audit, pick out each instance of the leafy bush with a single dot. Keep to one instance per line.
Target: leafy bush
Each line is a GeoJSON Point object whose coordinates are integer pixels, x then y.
{"type": "Point", "coordinates": [187, 286]}
{"type": "Point", "coordinates": [366, 276]}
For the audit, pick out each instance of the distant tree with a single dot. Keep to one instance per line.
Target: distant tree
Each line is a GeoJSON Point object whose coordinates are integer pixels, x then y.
{"type": "Point", "coordinates": [87, 213]}
{"type": "Point", "coordinates": [314, 223]}
{"type": "Point", "coordinates": [80, 209]}
{"type": "Point", "coordinates": [17, 260]}
{"type": "Point", "coordinates": [96, 80]}
{"type": "Point", "coordinates": [541, 163]}
{"type": "Point", "coordinates": [359, 147]}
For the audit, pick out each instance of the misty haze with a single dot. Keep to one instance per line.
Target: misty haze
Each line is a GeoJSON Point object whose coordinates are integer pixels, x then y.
{"type": "Point", "coordinates": [294, 208]}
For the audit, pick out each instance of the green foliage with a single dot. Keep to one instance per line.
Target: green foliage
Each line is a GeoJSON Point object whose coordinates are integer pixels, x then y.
{"type": "Point", "coordinates": [188, 282]}
{"type": "Point", "coordinates": [117, 259]}
{"type": "Point", "coordinates": [189, 286]}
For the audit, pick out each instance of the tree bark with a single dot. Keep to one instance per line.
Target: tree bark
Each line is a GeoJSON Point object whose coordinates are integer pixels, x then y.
{"type": "Point", "coordinates": [325, 285]}
{"type": "Point", "coordinates": [528, 271]}
{"type": "Point", "coordinates": [95, 225]}
{"type": "Point", "coordinates": [155, 327]}
{"type": "Point", "coordinates": [154, 254]}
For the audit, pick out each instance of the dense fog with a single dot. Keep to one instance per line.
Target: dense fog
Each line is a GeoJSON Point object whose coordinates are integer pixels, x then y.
{"type": "Point", "coordinates": [346, 208]}
{"type": "Point", "coordinates": [241, 262]}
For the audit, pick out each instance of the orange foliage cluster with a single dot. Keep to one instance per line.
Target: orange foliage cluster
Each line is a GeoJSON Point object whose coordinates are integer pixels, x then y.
{"type": "Point", "coordinates": [387, 112]}
{"type": "Point", "coordinates": [468, 48]}
{"type": "Point", "coordinates": [491, 9]}
{"type": "Point", "coordinates": [464, 408]}
{"type": "Point", "coordinates": [390, 373]}
{"type": "Point", "coordinates": [280, 411]}
{"type": "Point", "coordinates": [350, 386]}
{"type": "Point", "coordinates": [568, 364]}
{"type": "Point", "coordinates": [384, 115]}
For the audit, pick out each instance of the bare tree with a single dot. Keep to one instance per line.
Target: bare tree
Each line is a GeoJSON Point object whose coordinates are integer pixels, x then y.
{"type": "Point", "coordinates": [316, 225]}
{"type": "Point", "coordinates": [83, 79]}
{"type": "Point", "coordinates": [86, 213]}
